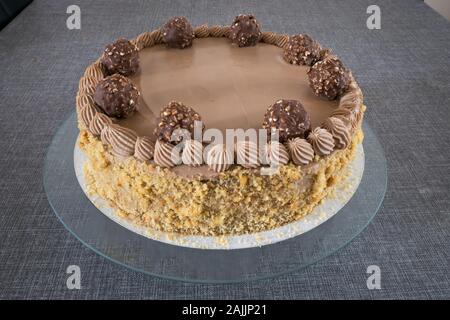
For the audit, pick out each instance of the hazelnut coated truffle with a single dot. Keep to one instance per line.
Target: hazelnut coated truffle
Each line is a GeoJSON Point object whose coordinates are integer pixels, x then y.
{"type": "Point", "coordinates": [175, 116]}
{"type": "Point", "coordinates": [302, 50]}
{"type": "Point", "coordinates": [329, 78]}
{"type": "Point", "coordinates": [178, 33]}
{"type": "Point", "coordinates": [289, 117]}
{"type": "Point", "coordinates": [245, 31]}
{"type": "Point", "coordinates": [117, 96]}
{"type": "Point", "coordinates": [121, 57]}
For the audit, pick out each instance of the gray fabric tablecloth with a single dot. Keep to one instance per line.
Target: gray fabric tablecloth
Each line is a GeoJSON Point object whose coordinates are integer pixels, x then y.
{"type": "Point", "coordinates": [403, 69]}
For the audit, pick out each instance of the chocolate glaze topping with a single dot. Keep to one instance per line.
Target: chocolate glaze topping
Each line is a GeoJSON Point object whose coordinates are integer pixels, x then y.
{"type": "Point", "coordinates": [229, 87]}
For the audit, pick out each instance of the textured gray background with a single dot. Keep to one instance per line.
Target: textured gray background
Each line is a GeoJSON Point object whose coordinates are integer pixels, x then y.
{"type": "Point", "coordinates": [403, 69]}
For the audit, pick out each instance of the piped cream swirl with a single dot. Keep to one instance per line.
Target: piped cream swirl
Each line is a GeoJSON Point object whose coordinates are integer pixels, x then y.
{"type": "Point", "coordinates": [219, 158]}
{"type": "Point", "coordinates": [192, 153]}
{"type": "Point", "coordinates": [322, 141]}
{"type": "Point", "coordinates": [144, 148]}
{"type": "Point", "coordinates": [163, 154]}
{"type": "Point", "coordinates": [281, 40]}
{"type": "Point", "coordinates": [97, 124]}
{"type": "Point", "coordinates": [339, 130]}
{"type": "Point", "coordinates": [247, 154]}
{"type": "Point", "coordinates": [275, 153]}
{"type": "Point", "coordinates": [301, 151]}
{"type": "Point", "coordinates": [94, 71]}
{"type": "Point", "coordinates": [157, 36]}
{"type": "Point", "coordinates": [269, 37]}
{"type": "Point", "coordinates": [350, 109]}
{"type": "Point", "coordinates": [87, 114]}
{"type": "Point", "coordinates": [104, 135]}
{"type": "Point", "coordinates": [84, 100]}
{"type": "Point", "coordinates": [122, 139]}
{"type": "Point", "coordinates": [219, 31]}
{"type": "Point", "coordinates": [144, 40]}
{"type": "Point", "coordinates": [202, 31]}
{"type": "Point", "coordinates": [87, 85]}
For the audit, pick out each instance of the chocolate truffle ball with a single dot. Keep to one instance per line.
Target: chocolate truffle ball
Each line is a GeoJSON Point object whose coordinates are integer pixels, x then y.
{"type": "Point", "coordinates": [120, 57]}
{"type": "Point", "coordinates": [289, 117]}
{"type": "Point", "coordinates": [178, 33]}
{"type": "Point", "coordinates": [302, 50]}
{"type": "Point", "coordinates": [117, 96]}
{"type": "Point", "coordinates": [245, 30]}
{"type": "Point", "coordinates": [329, 78]}
{"type": "Point", "coordinates": [175, 116]}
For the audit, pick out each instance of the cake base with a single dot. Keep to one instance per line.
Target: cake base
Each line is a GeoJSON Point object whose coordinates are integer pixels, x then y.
{"type": "Point", "coordinates": [239, 201]}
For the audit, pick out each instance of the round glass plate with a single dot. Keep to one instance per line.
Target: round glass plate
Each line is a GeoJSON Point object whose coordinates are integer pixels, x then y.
{"type": "Point", "coordinates": [114, 242]}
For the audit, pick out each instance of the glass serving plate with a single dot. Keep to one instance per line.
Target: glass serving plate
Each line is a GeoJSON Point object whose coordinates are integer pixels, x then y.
{"type": "Point", "coordinates": [116, 243]}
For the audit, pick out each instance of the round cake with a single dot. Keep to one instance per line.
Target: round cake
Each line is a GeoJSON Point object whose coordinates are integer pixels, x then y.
{"type": "Point", "coordinates": [219, 130]}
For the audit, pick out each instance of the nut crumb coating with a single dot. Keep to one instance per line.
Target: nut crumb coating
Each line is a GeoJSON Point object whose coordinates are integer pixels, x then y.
{"type": "Point", "coordinates": [240, 201]}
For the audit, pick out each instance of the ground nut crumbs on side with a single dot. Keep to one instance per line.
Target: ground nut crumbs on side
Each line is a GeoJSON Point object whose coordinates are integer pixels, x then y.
{"type": "Point", "coordinates": [240, 201]}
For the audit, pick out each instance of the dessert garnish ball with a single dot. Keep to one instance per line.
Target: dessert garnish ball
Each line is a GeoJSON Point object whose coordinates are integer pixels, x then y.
{"type": "Point", "coordinates": [117, 96]}
{"type": "Point", "coordinates": [329, 78]}
{"type": "Point", "coordinates": [175, 116]}
{"type": "Point", "coordinates": [289, 117]}
{"type": "Point", "coordinates": [121, 57]}
{"type": "Point", "coordinates": [178, 33]}
{"type": "Point", "coordinates": [245, 30]}
{"type": "Point", "coordinates": [302, 50]}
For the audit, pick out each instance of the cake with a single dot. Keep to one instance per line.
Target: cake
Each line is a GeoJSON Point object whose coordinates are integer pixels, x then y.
{"type": "Point", "coordinates": [217, 130]}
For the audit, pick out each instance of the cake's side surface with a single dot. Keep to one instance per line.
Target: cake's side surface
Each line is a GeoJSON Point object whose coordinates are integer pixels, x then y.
{"type": "Point", "coordinates": [238, 201]}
